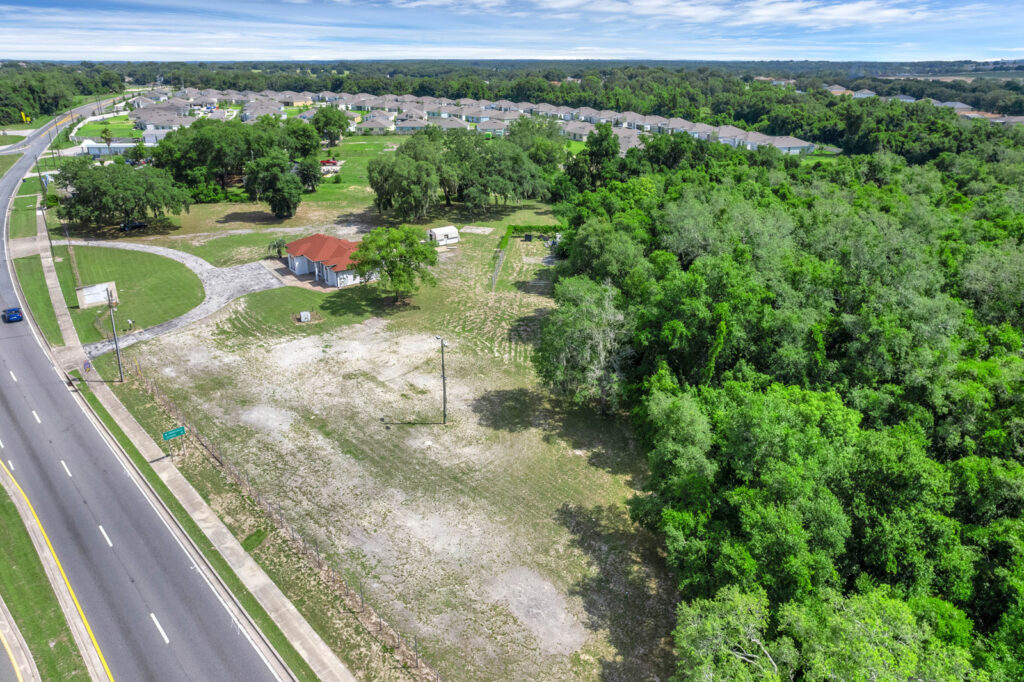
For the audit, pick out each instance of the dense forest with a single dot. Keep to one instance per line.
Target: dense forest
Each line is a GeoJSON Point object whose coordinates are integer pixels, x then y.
{"type": "Point", "coordinates": [49, 88]}
{"type": "Point", "coordinates": [824, 360]}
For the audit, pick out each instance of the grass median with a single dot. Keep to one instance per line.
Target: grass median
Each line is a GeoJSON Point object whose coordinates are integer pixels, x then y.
{"type": "Point", "coordinates": [32, 603]}
{"type": "Point", "coordinates": [266, 624]}
{"type": "Point", "coordinates": [37, 297]}
{"type": "Point", "coordinates": [23, 218]}
{"type": "Point", "coordinates": [6, 161]}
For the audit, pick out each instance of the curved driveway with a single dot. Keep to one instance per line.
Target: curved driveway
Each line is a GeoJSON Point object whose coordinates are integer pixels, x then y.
{"type": "Point", "coordinates": [222, 285]}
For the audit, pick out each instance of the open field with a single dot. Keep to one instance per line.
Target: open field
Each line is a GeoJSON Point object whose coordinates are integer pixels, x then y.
{"type": "Point", "coordinates": [29, 187]}
{"type": "Point", "coordinates": [152, 289]}
{"type": "Point", "coordinates": [23, 217]}
{"type": "Point", "coordinates": [37, 296]}
{"type": "Point", "coordinates": [119, 126]}
{"type": "Point", "coordinates": [32, 602]}
{"type": "Point", "coordinates": [500, 541]}
{"type": "Point", "coordinates": [6, 161]}
{"type": "Point", "coordinates": [10, 139]}
{"type": "Point", "coordinates": [36, 122]}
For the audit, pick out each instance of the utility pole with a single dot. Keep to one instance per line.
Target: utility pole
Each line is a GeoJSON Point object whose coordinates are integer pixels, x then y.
{"type": "Point", "coordinates": [444, 385]}
{"type": "Point", "coordinates": [113, 328]}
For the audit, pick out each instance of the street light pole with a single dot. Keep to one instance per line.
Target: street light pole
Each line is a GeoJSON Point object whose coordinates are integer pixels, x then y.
{"type": "Point", "coordinates": [113, 328]}
{"type": "Point", "coordinates": [444, 385]}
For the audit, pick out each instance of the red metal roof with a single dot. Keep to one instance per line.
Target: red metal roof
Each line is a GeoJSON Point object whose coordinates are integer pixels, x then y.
{"type": "Point", "coordinates": [333, 252]}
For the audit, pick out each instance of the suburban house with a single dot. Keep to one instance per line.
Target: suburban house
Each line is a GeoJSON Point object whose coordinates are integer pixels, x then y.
{"type": "Point", "coordinates": [328, 259]}
{"type": "Point", "coordinates": [376, 126]}
{"type": "Point", "coordinates": [792, 145]}
{"type": "Point", "coordinates": [838, 90]}
{"type": "Point", "coordinates": [494, 128]}
{"type": "Point", "coordinates": [577, 130]}
{"type": "Point", "coordinates": [450, 123]}
{"type": "Point", "coordinates": [443, 235]}
{"type": "Point", "coordinates": [410, 125]}
{"type": "Point", "coordinates": [863, 94]}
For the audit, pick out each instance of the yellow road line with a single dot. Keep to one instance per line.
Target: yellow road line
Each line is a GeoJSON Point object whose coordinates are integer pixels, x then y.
{"type": "Point", "coordinates": [10, 654]}
{"type": "Point", "coordinates": [60, 568]}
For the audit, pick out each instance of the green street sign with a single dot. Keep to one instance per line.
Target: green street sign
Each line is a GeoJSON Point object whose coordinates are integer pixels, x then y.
{"type": "Point", "coordinates": [174, 433]}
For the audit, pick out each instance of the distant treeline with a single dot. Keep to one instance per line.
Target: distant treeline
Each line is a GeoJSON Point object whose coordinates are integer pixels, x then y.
{"type": "Point", "coordinates": [48, 88]}
{"type": "Point", "coordinates": [663, 88]}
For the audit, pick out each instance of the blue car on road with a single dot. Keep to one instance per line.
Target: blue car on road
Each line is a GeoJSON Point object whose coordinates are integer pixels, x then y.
{"type": "Point", "coordinates": [12, 315]}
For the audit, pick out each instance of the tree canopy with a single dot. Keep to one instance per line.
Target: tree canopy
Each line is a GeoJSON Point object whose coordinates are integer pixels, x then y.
{"type": "Point", "coordinates": [398, 257]}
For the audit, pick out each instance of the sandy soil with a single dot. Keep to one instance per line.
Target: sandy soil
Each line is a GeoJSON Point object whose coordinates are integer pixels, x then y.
{"type": "Point", "coordinates": [500, 540]}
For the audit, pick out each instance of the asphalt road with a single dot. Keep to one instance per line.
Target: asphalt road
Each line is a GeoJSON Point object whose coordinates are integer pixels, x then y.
{"type": "Point", "coordinates": [153, 614]}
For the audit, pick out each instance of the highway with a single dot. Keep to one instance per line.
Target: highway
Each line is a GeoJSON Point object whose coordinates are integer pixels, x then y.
{"type": "Point", "coordinates": [152, 612]}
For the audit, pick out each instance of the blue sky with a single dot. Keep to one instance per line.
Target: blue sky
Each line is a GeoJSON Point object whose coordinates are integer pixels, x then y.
{"type": "Point", "coordinates": [880, 30]}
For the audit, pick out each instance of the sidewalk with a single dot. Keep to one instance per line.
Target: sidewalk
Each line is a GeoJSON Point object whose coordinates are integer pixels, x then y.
{"type": "Point", "coordinates": [15, 648]}
{"type": "Point", "coordinates": [306, 641]}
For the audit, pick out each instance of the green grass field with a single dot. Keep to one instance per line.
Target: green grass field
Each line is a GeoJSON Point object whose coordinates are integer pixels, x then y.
{"type": "Point", "coordinates": [151, 289]}
{"type": "Point", "coordinates": [10, 139]}
{"type": "Point", "coordinates": [575, 146]}
{"type": "Point", "coordinates": [271, 312]}
{"type": "Point", "coordinates": [29, 187]}
{"type": "Point", "coordinates": [119, 126]}
{"type": "Point", "coordinates": [224, 252]}
{"type": "Point", "coordinates": [7, 161]}
{"type": "Point", "coordinates": [37, 296]}
{"type": "Point", "coordinates": [32, 603]}
{"type": "Point", "coordinates": [36, 122]}
{"type": "Point", "coordinates": [23, 217]}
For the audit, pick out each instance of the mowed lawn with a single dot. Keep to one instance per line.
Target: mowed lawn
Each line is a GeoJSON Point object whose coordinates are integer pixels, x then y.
{"type": "Point", "coordinates": [37, 296]}
{"type": "Point", "coordinates": [151, 289]}
{"type": "Point", "coordinates": [6, 161]}
{"type": "Point", "coordinates": [119, 126]}
{"type": "Point", "coordinates": [10, 139]}
{"type": "Point", "coordinates": [23, 217]}
{"type": "Point", "coordinates": [32, 603]}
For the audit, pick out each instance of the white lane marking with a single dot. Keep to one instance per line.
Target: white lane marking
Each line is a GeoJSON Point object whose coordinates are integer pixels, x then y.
{"type": "Point", "coordinates": [38, 420]}
{"type": "Point", "coordinates": [157, 624]}
{"type": "Point", "coordinates": [106, 537]}
{"type": "Point", "coordinates": [12, 375]}
{"type": "Point", "coordinates": [124, 465]}
{"type": "Point", "coordinates": [10, 464]}
{"type": "Point", "coordinates": [64, 464]}
{"type": "Point", "coordinates": [1, 444]}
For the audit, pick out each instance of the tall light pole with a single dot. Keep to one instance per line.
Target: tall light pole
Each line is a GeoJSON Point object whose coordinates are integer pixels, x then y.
{"type": "Point", "coordinates": [444, 385]}
{"type": "Point", "coordinates": [113, 328]}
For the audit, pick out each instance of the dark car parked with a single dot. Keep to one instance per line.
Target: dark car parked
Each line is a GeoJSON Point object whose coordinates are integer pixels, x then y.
{"type": "Point", "coordinates": [134, 225]}
{"type": "Point", "coordinates": [12, 315]}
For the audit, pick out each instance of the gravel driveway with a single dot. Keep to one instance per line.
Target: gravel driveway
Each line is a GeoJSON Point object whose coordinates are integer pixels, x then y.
{"type": "Point", "coordinates": [222, 285]}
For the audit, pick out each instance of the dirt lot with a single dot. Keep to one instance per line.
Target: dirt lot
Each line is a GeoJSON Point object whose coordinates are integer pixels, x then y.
{"type": "Point", "coordinates": [501, 540]}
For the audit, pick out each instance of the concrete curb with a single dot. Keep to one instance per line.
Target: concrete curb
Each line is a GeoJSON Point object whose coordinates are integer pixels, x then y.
{"type": "Point", "coordinates": [16, 648]}
{"type": "Point", "coordinates": [61, 589]}
{"type": "Point", "coordinates": [292, 624]}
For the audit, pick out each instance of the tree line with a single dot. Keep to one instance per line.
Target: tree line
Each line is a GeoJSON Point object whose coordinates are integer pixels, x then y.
{"type": "Point", "coordinates": [463, 166]}
{"type": "Point", "coordinates": [37, 89]}
{"type": "Point", "coordinates": [824, 362]}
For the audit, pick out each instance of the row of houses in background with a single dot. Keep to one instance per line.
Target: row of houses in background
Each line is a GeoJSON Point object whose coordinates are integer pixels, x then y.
{"type": "Point", "coordinates": [962, 110]}
{"type": "Point", "coordinates": [160, 111]}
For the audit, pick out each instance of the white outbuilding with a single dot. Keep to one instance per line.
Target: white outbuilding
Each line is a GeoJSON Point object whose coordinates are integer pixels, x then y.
{"type": "Point", "coordinates": [443, 235]}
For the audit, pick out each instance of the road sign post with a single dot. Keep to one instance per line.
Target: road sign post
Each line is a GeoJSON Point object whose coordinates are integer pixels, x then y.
{"type": "Point", "coordinates": [174, 433]}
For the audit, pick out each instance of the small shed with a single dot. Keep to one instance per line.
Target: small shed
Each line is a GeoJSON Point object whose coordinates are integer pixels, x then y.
{"type": "Point", "coordinates": [443, 235]}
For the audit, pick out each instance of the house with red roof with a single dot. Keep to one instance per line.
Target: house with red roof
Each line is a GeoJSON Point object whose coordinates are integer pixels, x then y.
{"type": "Point", "coordinates": [328, 259]}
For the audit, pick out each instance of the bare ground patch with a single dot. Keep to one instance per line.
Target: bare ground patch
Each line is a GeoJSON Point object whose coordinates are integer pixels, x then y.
{"type": "Point", "coordinates": [501, 541]}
